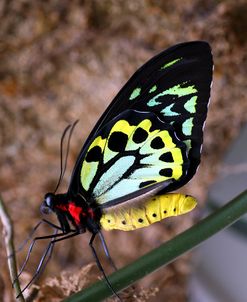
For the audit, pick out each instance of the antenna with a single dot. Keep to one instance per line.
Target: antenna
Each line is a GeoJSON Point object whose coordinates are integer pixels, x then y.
{"type": "Point", "coordinates": [63, 166]}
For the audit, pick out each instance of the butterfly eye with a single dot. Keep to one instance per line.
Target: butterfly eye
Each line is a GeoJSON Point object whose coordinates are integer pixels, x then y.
{"type": "Point", "coordinates": [49, 201]}
{"type": "Point", "coordinates": [47, 205]}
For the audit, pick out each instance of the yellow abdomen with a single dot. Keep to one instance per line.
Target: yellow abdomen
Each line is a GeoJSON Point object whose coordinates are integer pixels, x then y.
{"type": "Point", "coordinates": [153, 210]}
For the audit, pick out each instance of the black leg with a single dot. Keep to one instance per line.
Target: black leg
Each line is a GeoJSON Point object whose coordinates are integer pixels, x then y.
{"type": "Point", "coordinates": [31, 247]}
{"type": "Point", "coordinates": [101, 268]}
{"type": "Point", "coordinates": [46, 255]}
{"type": "Point", "coordinates": [102, 239]}
{"type": "Point", "coordinates": [54, 226]}
{"type": "Point", "coordinates": [47, 259]}
{"type": "Point", "coordinates": [66, 237]}
{"type": "Point", "coordinates": [22, 245]}
{"type": "Point", "coordinates": [48, 251]}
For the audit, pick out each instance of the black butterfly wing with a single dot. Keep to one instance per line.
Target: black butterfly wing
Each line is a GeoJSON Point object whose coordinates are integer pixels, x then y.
{"type": "Point", "coordinates": [174, 85]}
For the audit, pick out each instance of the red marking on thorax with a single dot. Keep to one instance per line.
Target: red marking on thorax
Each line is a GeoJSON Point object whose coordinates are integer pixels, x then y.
{"type": "Point", "coordinates": [76, 212]}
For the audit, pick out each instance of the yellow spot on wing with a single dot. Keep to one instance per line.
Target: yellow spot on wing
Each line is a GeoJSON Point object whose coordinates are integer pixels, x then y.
{"type": "Point", "coordinates": [89, 169]}
{"type": "Point", "coordinates": [99, 141]}
{"type": "Point", "coordinates": [145, 125]}
{"type": "Point", "coordinates": [88, 172]}
{"type": "Point", "coordinates": [120, 126]}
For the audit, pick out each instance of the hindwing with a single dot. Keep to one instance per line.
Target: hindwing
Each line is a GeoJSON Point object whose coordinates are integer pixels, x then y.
{"type": "Point", "coordinates": [132, 152]}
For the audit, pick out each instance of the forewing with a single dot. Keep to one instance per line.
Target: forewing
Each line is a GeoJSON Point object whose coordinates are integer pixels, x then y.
{"type": "Point", "coordinates": [175, 85]}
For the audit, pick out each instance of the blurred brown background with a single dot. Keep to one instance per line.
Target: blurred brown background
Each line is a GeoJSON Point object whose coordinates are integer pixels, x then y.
{"type": "Point", "coordinates": [64, 60]}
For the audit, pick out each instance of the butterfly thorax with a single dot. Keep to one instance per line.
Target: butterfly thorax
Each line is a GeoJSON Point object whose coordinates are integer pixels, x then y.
{"type": "Point", "coordinates": [72, 210]}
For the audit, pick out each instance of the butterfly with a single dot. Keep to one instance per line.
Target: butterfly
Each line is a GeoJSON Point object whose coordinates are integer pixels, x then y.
{"type": "Point", "coordinates": [145, 145]}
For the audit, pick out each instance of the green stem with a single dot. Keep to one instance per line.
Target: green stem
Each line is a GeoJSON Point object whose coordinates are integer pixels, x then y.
{"type": "Point", "coordinates": [167, 252]}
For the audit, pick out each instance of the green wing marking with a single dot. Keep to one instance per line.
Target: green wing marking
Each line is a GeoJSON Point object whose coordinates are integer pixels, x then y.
{"type": "Point", "coordinates": [177, 91]}
{"type": "Point", "coordinates": [135, 93]}
{"type": "Point", "coordinates": [171, 63]}
{"type": "Point", "coordinates": [181, 108]}
{"type": "Point", "coordinates": [154, 88]}
{"type": "Point", "coordinates": [190, 105]}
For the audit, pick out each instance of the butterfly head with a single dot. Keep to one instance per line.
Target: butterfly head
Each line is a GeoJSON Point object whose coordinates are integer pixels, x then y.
{"type": "Point", "coordinates": [67, 211]}
{"type": "Point", "coordinates": [48, 203]}
{"type": "Point", "coordinates": [57, 203]}
{"type": "Point", "coordinates": [54, 203]}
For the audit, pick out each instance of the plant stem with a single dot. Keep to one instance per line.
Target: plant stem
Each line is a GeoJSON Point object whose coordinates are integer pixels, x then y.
{"type": "Point", "coordinates": [9, 244]}
{"type": "Point", "coordinates": [167, 252]}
